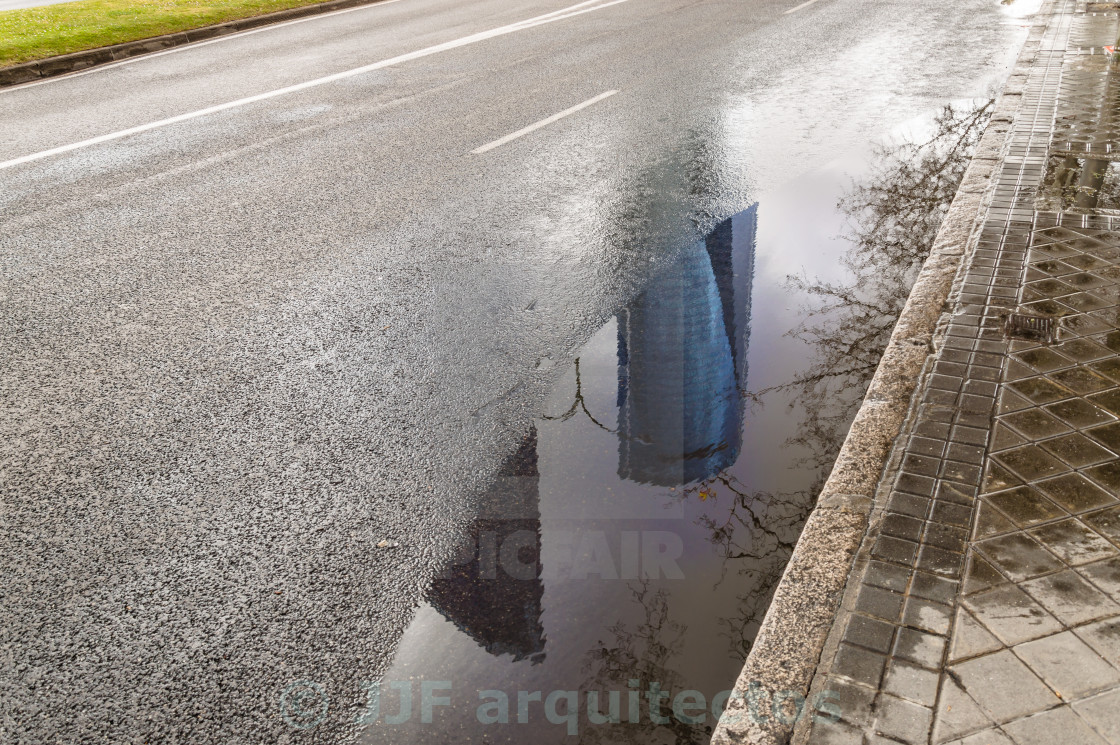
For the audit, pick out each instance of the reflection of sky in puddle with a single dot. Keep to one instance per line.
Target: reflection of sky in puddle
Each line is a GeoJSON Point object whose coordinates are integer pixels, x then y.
{"type": "Point", "coordinates": [644, 453]}
{"type": "Point", "coordinates": [1020, 9]}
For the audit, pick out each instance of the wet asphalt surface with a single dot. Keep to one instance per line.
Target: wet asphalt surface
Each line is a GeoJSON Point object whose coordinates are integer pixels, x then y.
{"type": "Point", "coordinates": [259, 365]}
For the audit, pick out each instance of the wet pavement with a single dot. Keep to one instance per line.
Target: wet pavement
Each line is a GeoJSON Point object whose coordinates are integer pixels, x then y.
{"type": "Point", "coordinates": [292, 392]}
{"type": "Point", "coordinates": [635, 536]}
{"type": "Point", "coordinates": [984, 607]}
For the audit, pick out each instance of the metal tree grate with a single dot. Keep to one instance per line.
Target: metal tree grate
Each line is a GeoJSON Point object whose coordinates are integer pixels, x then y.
{"type": "Point", "coordinates": [1032, 328]}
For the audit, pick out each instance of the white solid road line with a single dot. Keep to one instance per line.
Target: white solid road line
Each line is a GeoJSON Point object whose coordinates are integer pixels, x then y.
{"type": "Point", "coordinates": [187, 47]}
{"type": "Point", "coordinates": [799, 7]}
{"type": "Point", "coordinates": [559, 15]}
{"type": "Point", "coordinates": [542, 123]}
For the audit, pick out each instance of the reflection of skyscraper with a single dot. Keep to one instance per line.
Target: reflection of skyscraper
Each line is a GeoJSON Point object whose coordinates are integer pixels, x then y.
{"type": "Point", "coordinates": [682, 361]}
{"type": "Point", "coordinates": [494, 595]}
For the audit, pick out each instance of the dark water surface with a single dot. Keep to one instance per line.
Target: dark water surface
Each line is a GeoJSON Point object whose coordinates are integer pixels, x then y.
{"type": "Point", "coordinates": [632, 541]}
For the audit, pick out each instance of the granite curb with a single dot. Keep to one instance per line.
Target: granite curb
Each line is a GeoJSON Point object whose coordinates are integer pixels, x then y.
{"type": "Point", "coordinates": [801, 617]}
{"type": "Point", "coordinates": [27, 72]}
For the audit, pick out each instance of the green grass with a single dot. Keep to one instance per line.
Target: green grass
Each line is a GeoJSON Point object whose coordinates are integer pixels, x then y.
{"type": "Point", "coordinates": [35, 33]}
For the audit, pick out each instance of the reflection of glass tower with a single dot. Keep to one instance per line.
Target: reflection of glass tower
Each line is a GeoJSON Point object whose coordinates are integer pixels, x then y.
{"type": "Point", "coordinates": [494, 596]}
{"type": "Point", "coordinates": [682, 361]}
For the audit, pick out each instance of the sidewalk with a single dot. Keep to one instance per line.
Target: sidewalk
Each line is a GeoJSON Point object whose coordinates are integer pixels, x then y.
{"type": "Point", "coordinates": [984, 605]}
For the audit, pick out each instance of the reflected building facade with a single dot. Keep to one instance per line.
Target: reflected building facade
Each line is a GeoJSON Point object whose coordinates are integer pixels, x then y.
{"type": "Point", "coordinates": [682, 368]}
{"type": "Point", "coordinates": [493, 592]}
{"type": "Point", "coordinates": [682, 361]}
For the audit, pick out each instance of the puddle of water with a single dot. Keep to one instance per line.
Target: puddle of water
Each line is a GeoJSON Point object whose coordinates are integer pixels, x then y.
{"type": "Point", "coordinates": [622, 560]}
{"type": "Point", "coordinates": [1081, 185]}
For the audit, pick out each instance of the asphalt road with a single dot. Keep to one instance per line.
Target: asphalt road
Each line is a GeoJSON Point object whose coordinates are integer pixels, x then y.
{"type": "Point", "coordinates": [243, 348]}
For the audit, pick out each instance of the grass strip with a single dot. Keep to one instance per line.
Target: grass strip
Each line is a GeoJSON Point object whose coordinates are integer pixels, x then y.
{"type": "Point", "coordinates": [49, 30]}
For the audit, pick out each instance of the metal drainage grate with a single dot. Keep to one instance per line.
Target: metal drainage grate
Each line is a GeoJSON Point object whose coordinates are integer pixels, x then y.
{"type": "Point", "coordinates": [1032, 328]}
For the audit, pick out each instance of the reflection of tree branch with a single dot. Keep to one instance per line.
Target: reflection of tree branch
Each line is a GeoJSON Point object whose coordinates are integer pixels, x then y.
{"type": "Point", "coordinates": [644, 654]}
{"type": "Point", "coordinates": [756, 537]}
{"type": "Point", "coordinates": [893, 219]}
{"type": "Point", "coordinates": [578, 402]}
{"type": "Point", "coordinates": [725, 530]}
